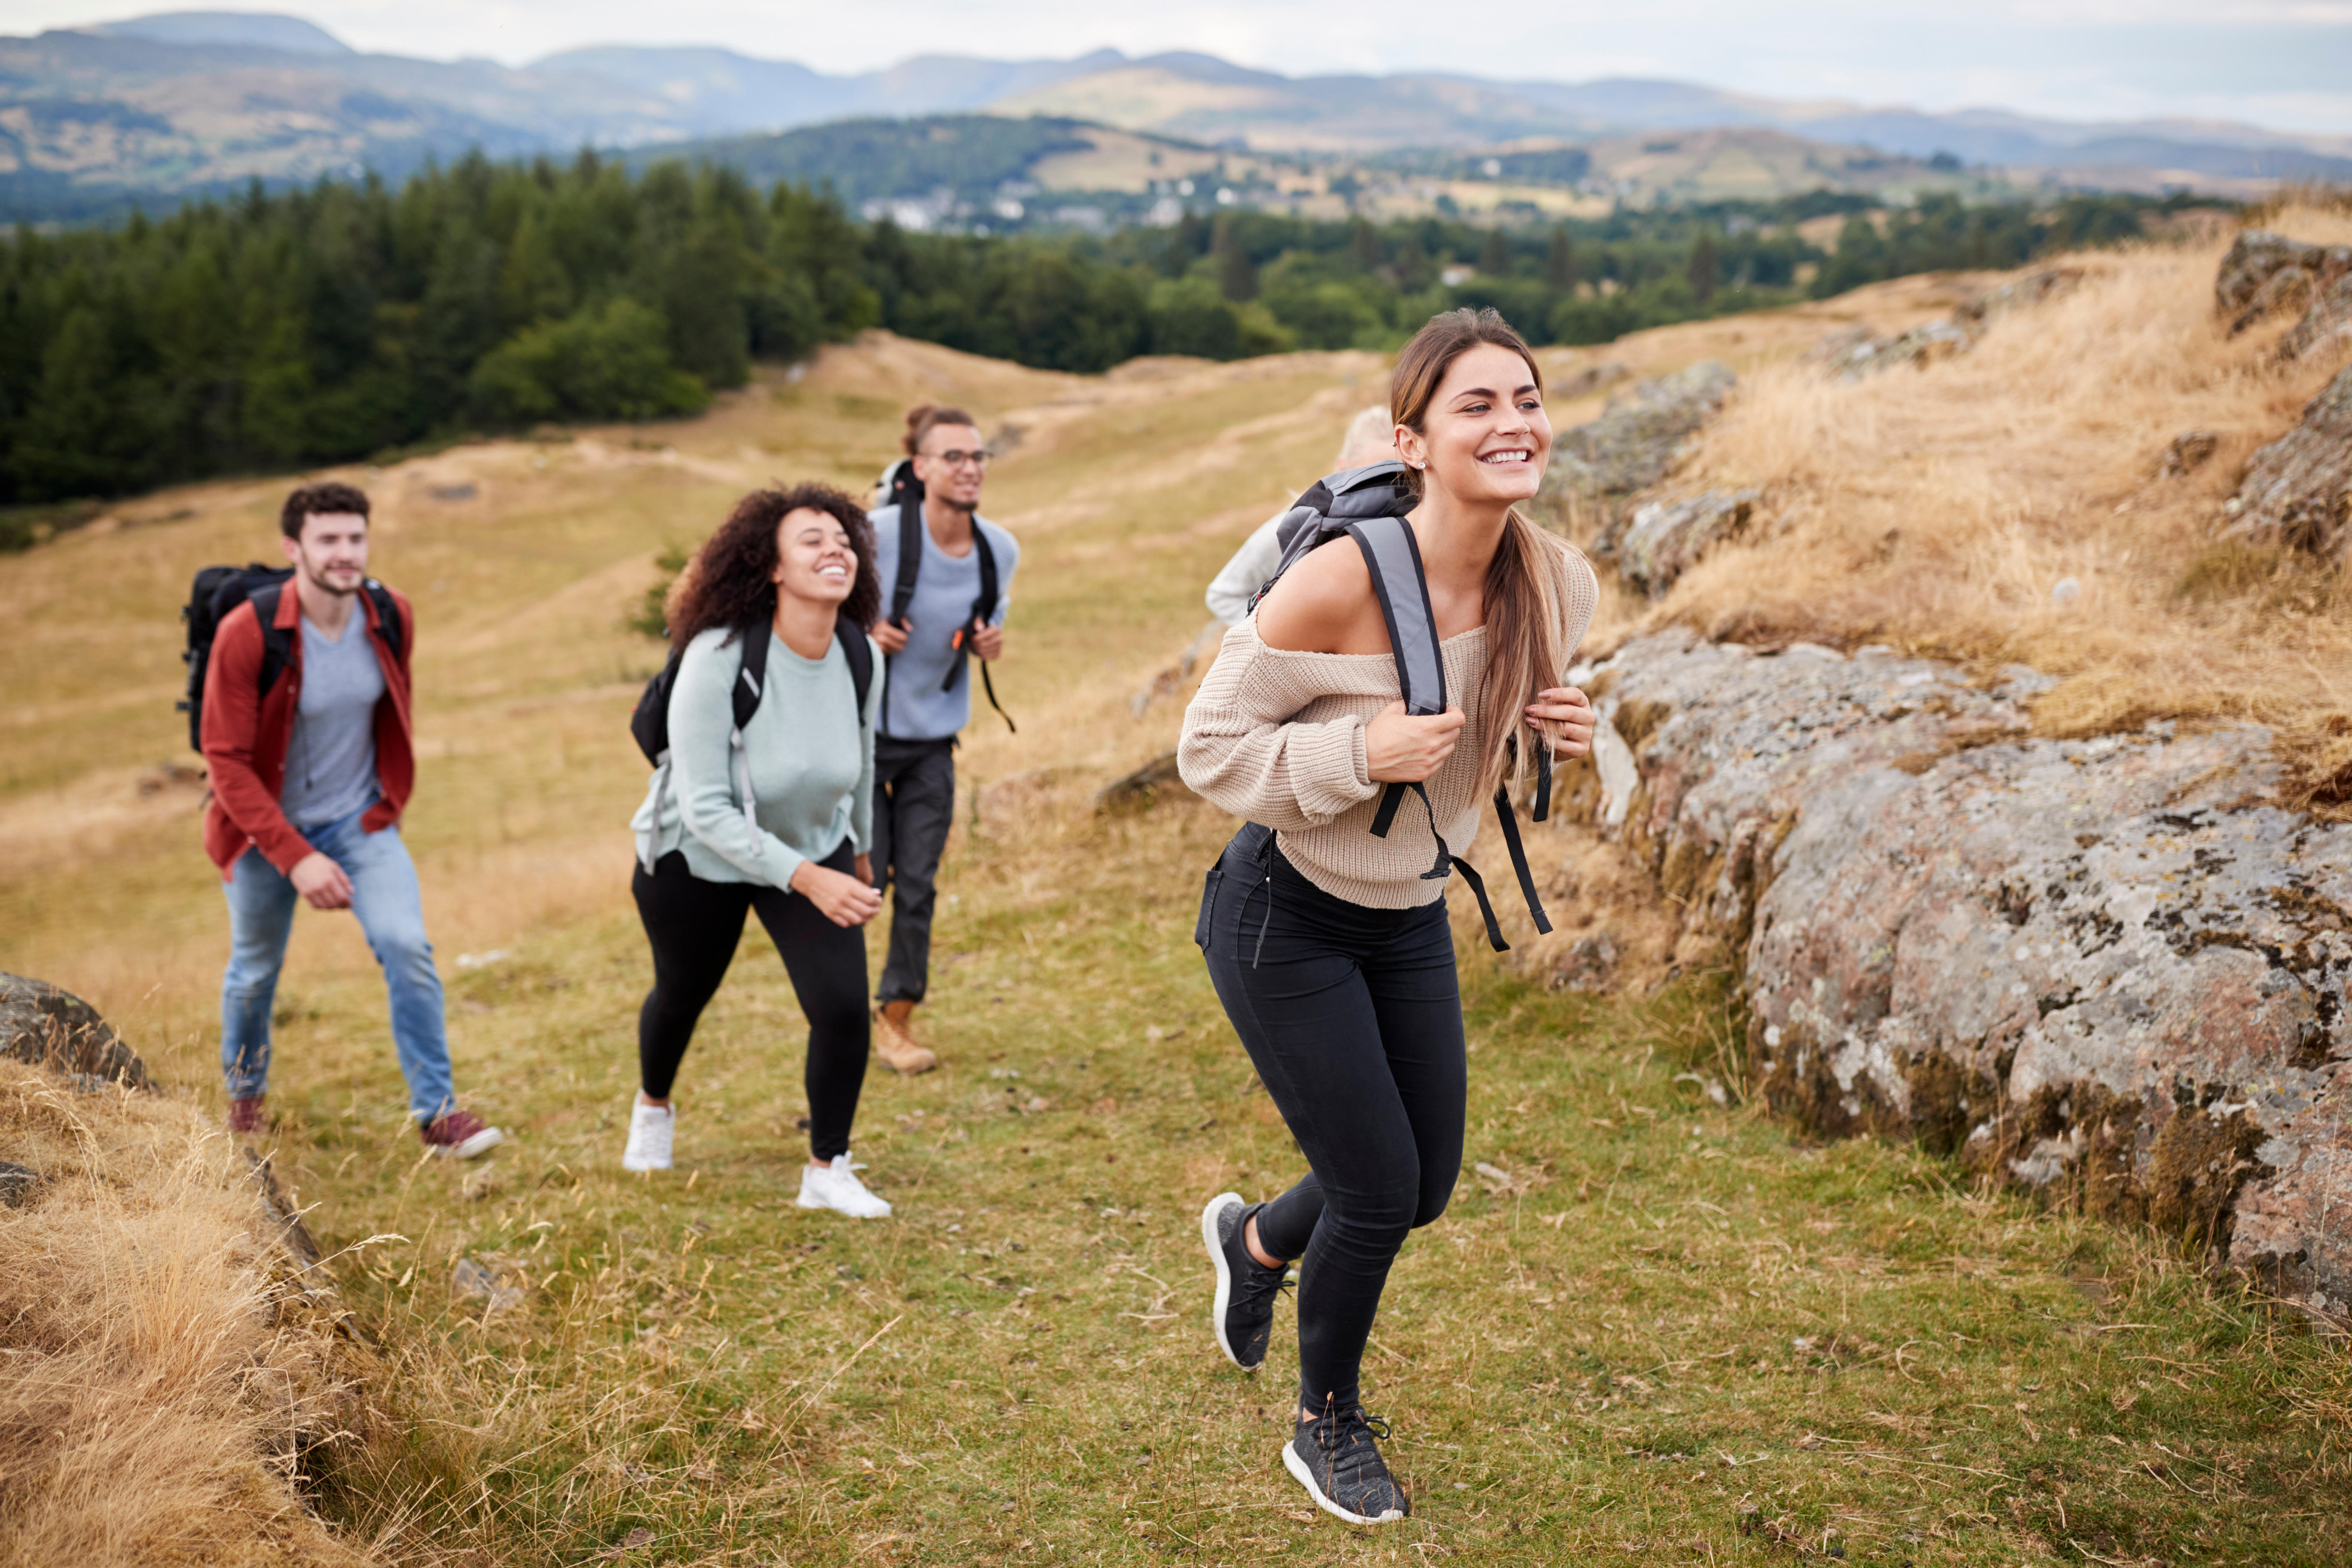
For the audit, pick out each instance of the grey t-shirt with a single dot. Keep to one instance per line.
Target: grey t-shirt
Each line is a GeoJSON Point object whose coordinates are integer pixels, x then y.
{"type": "Point", "coordinates": [944, 590]}
{"type": "Point", "coordinates": [331, 758]}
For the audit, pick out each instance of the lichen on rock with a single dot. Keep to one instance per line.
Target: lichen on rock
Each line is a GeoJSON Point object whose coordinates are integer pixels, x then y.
{"type": "Point", "coordinates": [2113, 969]}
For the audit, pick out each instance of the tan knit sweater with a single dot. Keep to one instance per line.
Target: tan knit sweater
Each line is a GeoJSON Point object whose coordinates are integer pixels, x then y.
{"type": "Point", "coordinates": [1278, 737]}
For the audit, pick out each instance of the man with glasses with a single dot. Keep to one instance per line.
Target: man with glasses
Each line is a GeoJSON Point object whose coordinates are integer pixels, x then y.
{"type": "Point", "coordinates": [927, 695]}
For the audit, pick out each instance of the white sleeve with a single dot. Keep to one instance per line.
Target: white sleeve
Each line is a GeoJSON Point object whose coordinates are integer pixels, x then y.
{"type": "Point", "coordinates": [1246, 574]}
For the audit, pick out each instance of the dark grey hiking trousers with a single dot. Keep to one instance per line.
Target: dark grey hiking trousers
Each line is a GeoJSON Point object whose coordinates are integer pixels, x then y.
{"type": "Point", "coordinates": [914, 805]}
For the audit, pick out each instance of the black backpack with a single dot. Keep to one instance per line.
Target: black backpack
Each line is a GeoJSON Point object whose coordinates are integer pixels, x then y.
{"type": "Point", "coordinates": [906, 492]}
{"type": "Point", "coordinates": [1369, 505]}
{"type": "Point", "coordinates": [650, 723]}
{"type": "Point", "coordinates": [217, 590]}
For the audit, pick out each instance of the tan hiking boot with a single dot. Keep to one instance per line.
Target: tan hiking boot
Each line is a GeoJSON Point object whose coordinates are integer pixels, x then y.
{"type": "Point", "coordinates": [895, 1042]}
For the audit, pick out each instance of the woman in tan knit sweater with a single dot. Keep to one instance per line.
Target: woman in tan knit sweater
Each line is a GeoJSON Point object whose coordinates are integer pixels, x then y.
{"type": "Point", "coordinates": [1329, 948]}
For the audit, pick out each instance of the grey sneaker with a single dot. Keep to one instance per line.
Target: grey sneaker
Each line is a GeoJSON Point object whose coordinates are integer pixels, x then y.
{"type": "Point", "coordinates": [1242, 1314]}
{"type": "Point", "coordinates": [1334, 1457]}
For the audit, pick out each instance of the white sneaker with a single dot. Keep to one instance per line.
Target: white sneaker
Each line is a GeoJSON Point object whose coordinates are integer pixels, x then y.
{"type": "Point", "coordinates": [837, 1186]}
{"type": "Point", "coordinates": [650, 1127]}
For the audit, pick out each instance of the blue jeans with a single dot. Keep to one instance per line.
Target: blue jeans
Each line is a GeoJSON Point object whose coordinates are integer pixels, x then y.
{"type": "Point", "coordinates": [387, 899]}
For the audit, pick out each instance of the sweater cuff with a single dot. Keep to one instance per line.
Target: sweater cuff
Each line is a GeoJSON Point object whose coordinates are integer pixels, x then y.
{"type": "Point", "coordinates": [1329, 773]}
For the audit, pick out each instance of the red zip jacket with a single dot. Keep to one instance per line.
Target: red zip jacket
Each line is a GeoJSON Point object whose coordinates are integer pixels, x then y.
{"type": "Point", "coordinates": [247, 733]}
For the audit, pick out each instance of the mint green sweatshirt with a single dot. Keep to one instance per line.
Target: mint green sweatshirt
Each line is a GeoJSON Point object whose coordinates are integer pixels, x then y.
{"type": "Point", "coordinates": [812, 762]}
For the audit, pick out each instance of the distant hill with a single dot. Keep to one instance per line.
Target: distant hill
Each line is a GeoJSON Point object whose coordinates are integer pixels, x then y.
{"type": "Point", "coordinates": [972, 156]}
{"type": "Point", "coordinates": [233, 29]}
{"type": "Point", "coordinates": [164, 107]}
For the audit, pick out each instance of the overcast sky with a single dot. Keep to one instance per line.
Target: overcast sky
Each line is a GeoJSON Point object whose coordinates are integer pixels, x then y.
{"type": "Point", "coordinates": [2286, 63]}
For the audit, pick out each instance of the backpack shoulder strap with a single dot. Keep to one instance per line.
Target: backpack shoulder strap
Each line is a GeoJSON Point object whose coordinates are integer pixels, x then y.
{"type": "Point", "coordinates": [1394, 561]}
{"type": "Point", "coordinates": [983, 609]}
{"type": "Point", "coordinates": [388, 619]}
{"type": "Point", "coordinates": [277, 643]}
{"type": "Point", "coordinates": [910, 556]}
{"type": "Point", "coordinates": [754, 679]}
{"type": "Point", "coordinates": [860, 655]}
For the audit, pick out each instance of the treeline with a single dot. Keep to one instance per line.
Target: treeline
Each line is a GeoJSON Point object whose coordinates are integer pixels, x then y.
{"type": "Point", "coordinates": [322, 325]}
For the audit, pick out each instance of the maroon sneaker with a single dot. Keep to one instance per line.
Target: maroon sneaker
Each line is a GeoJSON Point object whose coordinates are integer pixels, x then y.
{"type": "Point", "coordinates": [460, 1135]}
{"type": "Point", "coordinates": [245, 1117]}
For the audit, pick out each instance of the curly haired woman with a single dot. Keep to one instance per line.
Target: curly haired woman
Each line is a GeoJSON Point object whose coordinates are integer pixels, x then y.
{"type": "Point", "coordinates": [777, 820]}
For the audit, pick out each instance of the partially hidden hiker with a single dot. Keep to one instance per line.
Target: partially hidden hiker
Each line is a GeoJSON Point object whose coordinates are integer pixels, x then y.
{"type": "Point", "coordinates": [1371, 438]}
{"type": "Point", "coordinates": [762, 729]}
{"type": "Point", "coordinates": [1417, 656]}
{"type": "Point", "coordinates": [305, 719]}
{"type": "Point", "coordinates": [946, 574]}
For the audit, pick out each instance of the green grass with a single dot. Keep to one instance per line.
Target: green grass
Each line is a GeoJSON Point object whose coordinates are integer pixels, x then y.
{"type": "Point", "coordinates": [1665, 1333]}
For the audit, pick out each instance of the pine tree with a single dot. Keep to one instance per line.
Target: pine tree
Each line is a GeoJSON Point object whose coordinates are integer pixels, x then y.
{"type": "Point", "coordinates": [1495, 254]}
{"type": "Point", "coordinates": [1236, 277]}
{"type": "Point", "coordinates": [1703, 266]}
{"type": "Point", "coordinates": [1560, 262]}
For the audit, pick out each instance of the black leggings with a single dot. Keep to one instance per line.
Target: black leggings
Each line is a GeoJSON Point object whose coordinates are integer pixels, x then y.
{"type": "Point", "coordinates": [694, 927]}
{"type": "Point", "coordinates": [1353, 1018]}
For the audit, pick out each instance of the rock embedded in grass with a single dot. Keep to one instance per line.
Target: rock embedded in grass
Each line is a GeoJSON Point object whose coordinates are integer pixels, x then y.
{"type": "Point", "coordinates": [49, 1028]}
{"type": "Point", "coordinates": [2116, 968]}
{"type": "Point", "coordinates": [2297, 491]}
{"type": "Point", "coordinates": [2264, 272]}
{"type": "Point", "coordinates": [1597, 469]}
{"type": "Point", "coordinates": [1665, 538]}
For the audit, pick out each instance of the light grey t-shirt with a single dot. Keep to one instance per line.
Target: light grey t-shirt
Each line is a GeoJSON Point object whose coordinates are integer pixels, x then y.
{"type": "Point", "coordinates": [331, 757]}
{"type": "Point", "coordinates": [944, 590]}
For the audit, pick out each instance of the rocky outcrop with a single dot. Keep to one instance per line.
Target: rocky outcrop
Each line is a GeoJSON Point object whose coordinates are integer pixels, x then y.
{"type": "Point", "coordinates": [2298, 490]}
{"type": "Point", "coordinates": [49, 1028]}
{"type": "Point", "coordinates": [2044, 283]}
{"type": "Point", "coordinates": [2325, 330]}
{"type": "Point", "coordinates": [2265, 273]}
{"type": "Point", "coordinates": [2113, 969]}
{"type": "Point", "coordinates": [1665, 538]}
{"type": "Point", "coordinates": [1857, 351]}
{"type": "Point", "coordinates": [1597, 469]}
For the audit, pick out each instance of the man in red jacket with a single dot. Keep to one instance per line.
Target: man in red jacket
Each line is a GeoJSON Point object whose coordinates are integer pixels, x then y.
{"type": "Point", "coordinates": [308, 777]}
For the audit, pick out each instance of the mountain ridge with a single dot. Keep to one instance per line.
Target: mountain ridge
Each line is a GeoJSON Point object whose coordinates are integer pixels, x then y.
{"type": "Point", "coordinates": [188, 104]}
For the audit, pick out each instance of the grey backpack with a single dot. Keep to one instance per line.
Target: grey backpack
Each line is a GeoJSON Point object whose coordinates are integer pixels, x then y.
{"type": "Point", "coordinates": [1369, 505]}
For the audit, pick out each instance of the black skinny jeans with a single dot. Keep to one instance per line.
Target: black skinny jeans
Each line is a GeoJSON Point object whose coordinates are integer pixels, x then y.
{"type": "Point", "coordinates": [1353, 1018]}
{"type": "Point", "coordinates": [695, 926]}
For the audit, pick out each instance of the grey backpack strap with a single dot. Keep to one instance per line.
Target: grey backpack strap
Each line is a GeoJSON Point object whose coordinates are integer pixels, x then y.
{"type": "Point", "coordinates": [1393, 560]}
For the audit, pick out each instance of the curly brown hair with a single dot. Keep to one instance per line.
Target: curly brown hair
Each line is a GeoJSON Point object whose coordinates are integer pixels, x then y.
{"type": "Point", "coordinates": [329, 498]}
{"type": "Point", "coordinates": [730, 581]}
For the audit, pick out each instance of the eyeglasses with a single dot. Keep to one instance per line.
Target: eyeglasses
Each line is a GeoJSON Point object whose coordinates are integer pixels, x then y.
{"type": "Point", "coordinates": [958, 459]}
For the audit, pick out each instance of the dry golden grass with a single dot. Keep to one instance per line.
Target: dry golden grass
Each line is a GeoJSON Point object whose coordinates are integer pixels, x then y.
{"type": "Point", "coordinates": [164, 1367]}
{"type": "Point", "coordinates": [1939, 509]}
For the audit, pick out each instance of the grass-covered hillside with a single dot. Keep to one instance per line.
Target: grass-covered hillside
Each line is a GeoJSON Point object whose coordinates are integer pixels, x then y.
{"type": "Point", "coordinates": [1654, 1327]}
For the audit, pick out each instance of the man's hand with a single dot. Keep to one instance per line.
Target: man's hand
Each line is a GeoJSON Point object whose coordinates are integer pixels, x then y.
{"type": "Point", "coordinates": [1401, 749]}
{"type": "Point", "coordinates": [320, 881]}
{"type": "Point", "coordinates": [844, 900]}
{"type": "Point", "coordinates": [1572, 711]}
{"type": "Point", "coordinates": [989, 642]}
{"type": "Point", "coordinates": [891, 639]}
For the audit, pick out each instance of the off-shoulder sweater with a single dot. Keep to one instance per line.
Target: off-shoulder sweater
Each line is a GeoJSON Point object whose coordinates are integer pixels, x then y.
{"type": "Point", "coordinates": [1277, 736]}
